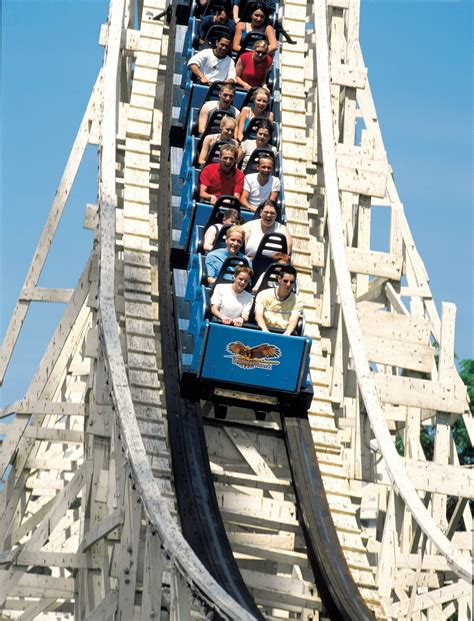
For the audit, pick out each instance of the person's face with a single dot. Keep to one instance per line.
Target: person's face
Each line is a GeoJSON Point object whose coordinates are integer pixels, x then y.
{"type": "Point", "coordinates": [285, 284]}
{"type": "Point", "coordinates": [229, 220]}
{"type": "Point", "coordinates": [222, 48]}
{"type": "Point", "coordinates": [268, 215]}
{"type": "Point", "coordinates": [227, 160]}
{"type": "Point", "coordinates": [241, 280]}
{"type": "Point", "coordinates": [262, 137]}
{"type": "Point", "coordinates": [265, 167]}
{"type": "Point", "coordinates": [258, 17]}
{"type": "Point", "coordinates": [260, 53]}
{"type": "Point", "coordinates": [226, 98]}
{"type": "Point", "coordinates": [234, 242]}
{"type": "Point", "coordinates": [261, 102]}
{"type": "Point", "coordinates": [227, 130]}
{"type": "Point", "coordinates": [221, 17]}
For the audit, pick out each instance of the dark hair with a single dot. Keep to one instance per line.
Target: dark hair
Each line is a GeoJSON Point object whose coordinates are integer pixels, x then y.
{"type": "Point", "coordinates": [246, 269]}
{"type": "Point", "coordinates": [226, 36]}
{"type": "Point", "coordinates": [288, 269]}
{"type": "Point", "coordinates": [222, 7]}
{"type": "Point", "coordinates": [259, 6]}
{"type": "Point", "coordinates": [265, 124]}
{"type": "Point", "coordinates": [266, 156]}
{"type": "Point", "coordinates": [270, 203]}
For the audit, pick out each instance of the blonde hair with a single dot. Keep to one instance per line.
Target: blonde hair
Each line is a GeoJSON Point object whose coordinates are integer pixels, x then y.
{"type": "Point", "coordinates": [226, 119]}
{"type": "Point", "coordinates": [261, 91]}
{"type": "Point", "coordinates": [236, 229]}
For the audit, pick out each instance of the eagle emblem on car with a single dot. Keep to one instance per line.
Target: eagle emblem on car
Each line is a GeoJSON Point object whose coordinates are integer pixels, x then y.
{"type": "Point", "coordinates": [258, 357]}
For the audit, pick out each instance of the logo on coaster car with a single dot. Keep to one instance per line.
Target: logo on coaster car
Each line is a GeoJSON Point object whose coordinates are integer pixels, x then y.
{"type": "Point", "coordinates": [259, 357]}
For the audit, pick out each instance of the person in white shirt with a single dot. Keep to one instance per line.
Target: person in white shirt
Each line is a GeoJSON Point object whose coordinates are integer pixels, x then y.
{"type": "Point", "coordinates": [224, 103]}
{"type": "Point", "coordinates": [260, 186]}
{"type": "Point", "coordinates": [262, 141]}
{"type": "Point", "coordinates": [213, 65]}
{"type": "Point", "coordinates": [254, 230]}
{"type": "Point", "coordinates": [230, 302]}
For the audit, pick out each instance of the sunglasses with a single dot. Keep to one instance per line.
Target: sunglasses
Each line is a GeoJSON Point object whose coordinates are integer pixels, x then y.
{"type": "Point", "coordinates": [260, 52]}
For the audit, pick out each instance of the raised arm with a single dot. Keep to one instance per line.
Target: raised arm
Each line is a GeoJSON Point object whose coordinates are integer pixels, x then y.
{"type": "Point", "coordinates": [239, 29]}
{"type": "Point", "coordinates": [271, 38]}
{"type": "Point", "coordinates": [204, 150]}
{"type": "Point", "coordinates": [238, 73]}
{"type": "Point", "coordinates": [239, 130]}
{"type": "Point", "coordinates": [209, 238]}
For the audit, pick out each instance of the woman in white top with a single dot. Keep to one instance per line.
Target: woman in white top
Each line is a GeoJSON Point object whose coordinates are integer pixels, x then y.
{"type": "Point", "coordinates": [230, 302]}
{"type": "Point", "coordinates": [227, 127]}
{"type": "Point", "coordinates": [254, 230]}
{"type": "Point", "coordinates": [262, 141]}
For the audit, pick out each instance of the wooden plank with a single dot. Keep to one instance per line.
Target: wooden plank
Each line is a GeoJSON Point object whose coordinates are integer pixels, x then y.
{"type": "Point", "coordinates": [57, 559]}
{"type": "Point", "coordinates": [398, 354]}
{"type": "Point", "coordinates": [251, 455]}
{"type": "Point", "coordinates": [429, 476]}
{"type": "Point", "coordinates": [44, 294]}
{"type": "Point", "coordinates": [374, 263]}
{"type": "Point", "coordinates": [432, 598]}
{"type": "Point", "coordinates": [403, 328]}
{"type": "Point", "coordinates": [419, 393]}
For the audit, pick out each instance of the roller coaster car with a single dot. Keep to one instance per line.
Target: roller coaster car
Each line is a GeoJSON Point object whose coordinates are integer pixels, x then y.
{"type": "Point", "coordinates": [232, 365]}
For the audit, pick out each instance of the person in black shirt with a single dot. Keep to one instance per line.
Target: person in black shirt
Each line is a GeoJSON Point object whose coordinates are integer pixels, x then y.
{"type": "Point", "coordinates": [221, 17]}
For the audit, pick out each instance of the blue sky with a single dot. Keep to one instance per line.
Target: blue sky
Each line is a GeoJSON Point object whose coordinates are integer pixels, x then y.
{"type": "Point", "coordinates": [419, 56]}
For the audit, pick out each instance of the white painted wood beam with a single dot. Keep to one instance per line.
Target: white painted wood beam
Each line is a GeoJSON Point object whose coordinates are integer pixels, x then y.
{"type": "Point", "coordinates": [365, 379]}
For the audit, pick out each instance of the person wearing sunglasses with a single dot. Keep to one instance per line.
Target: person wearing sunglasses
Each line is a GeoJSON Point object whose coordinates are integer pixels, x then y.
{"type": "Point", "coordinates": [253, 67]}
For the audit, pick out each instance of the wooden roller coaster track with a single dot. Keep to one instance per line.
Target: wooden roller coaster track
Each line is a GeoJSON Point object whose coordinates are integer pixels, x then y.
{"type": "Point", "coordinates": [89, 524]}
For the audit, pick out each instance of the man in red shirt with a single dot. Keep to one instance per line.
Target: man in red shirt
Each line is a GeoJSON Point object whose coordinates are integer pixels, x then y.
{"type": "Point", "coordinates": [221, 178]}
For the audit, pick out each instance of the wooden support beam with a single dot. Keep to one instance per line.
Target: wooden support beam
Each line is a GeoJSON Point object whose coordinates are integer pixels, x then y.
{"type": "Point", "coordinates": [43, 294]}
{"type": "Point", "coordinates": [49, 231]}
{"type": "Point", "coordinates": [432, 598]}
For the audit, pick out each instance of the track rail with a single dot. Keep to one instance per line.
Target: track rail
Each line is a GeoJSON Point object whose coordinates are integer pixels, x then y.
{"type": "Point", "coordinates": [339, 592]}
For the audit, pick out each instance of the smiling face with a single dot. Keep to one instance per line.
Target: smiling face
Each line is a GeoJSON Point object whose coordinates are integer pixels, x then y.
{"type": "Point", "coordinates": [262, 137]}
{"type": "Point", "coordinates": [257, 18]}
{"type": "Point", "coordinates": [268, 215]}
{"type": "Point", "coordinates": [234, 242]}
{"type": "Point", "coordinates": [226, 97]}
{"type": "Point", "coordinates": [261, 102]}
{"type": "Point", "coordinates": [227, 129]}
{"type": "Point", "coordinates": [285, 285]}
{"type": "Point", "coordinates": [260, 52]}
{"type": "Point", "coordinates": [222, 47]}
{"type": "Point", "coordinates": [265, 167]}
{"type": "Point", "coordinates": [241, 280]}
{"type": "Point", "coordinates": [227, 160]}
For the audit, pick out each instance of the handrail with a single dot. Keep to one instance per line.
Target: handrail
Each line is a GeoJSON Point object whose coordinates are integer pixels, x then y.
{"type": "Point", "coordinates": [187, 563]}
{"type": "Point", "coordinates": [395, 467]}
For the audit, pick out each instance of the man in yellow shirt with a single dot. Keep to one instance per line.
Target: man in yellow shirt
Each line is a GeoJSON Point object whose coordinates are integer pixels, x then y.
{"type": "Point", "coordinates": [279, 307]}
